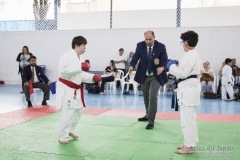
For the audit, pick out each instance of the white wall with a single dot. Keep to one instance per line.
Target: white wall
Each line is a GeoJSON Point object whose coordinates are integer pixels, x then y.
{"type": "Point", "coordinates": [215, 44]}
{"type": "Point", "coordinates": [190, 17]}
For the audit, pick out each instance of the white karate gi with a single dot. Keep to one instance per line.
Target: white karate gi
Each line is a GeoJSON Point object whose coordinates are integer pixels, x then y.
{"type": "Point", "coordinates": [70, 107]}
{"type": "Point", "coordinates": [227, 82]}
{"type": "Point", "coordinates": [188, 95]}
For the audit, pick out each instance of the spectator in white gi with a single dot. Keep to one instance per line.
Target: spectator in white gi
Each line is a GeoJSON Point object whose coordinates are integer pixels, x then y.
{"type": "Point", "coordinates": [227, 81]}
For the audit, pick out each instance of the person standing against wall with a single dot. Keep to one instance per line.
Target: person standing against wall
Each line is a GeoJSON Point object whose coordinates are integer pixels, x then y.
{"type": "Point", "coordinates": [188, 91]}
{"type": "Point", "coordinates": [69, 98]}
{"type": "Point", "coordinates": [151, 73]}
{"type": "Point", "coordinates": [121, 63]}
{"type": "Point", "coordinates": [129, 60]}
{"type": "Point", "coordinates": [23, 58]}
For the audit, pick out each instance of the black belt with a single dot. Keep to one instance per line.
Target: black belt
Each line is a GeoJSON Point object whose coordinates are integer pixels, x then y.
{"type": "Point", "coordinates": [192, 76]}
{"type": "Point", "coordinates": [174, 96]}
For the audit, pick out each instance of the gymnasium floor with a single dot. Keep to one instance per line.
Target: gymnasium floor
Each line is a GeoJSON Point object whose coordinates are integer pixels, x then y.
{"type": "Point", "coordinates": [109, 129]}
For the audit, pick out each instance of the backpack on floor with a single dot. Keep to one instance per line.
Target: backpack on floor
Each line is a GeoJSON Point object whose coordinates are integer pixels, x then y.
{"type": "Point", "coordinates": [236, 90]}
{"type": "Point", "coordinates": [92, 88]}
{"type": "Point", "coordinates": [210, 95]}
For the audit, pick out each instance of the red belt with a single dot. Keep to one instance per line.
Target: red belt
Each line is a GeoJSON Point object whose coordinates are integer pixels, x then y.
{"type": "Point", "coordinates": [74, 86]}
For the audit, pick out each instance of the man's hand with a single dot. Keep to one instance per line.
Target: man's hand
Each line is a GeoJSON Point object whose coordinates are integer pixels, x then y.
{"type": "Point", "coordinates": [160, 70]}
{"type": "Point", "coordinates": [27, 83]}
{"type": "Point", "coordinates": [49, 83]}
{"type": "Point", "coordinates": [130, 70]}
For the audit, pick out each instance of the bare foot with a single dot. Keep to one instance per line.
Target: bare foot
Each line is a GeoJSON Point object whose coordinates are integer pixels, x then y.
{"type": "Point", "coordinates": [73, 135]}
{"type": "Point", "coordinates": [63, 142]}
{"type": "Point", "coordinates": [185, 150]}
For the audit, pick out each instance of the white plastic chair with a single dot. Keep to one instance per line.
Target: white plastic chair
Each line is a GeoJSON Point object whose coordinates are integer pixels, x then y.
{"type": "Point", "coordinates": [120, 75]}
{"type": "Point", "coordinates": [111, 86]}
{"type": "Point", "coordinates": [130, 81]}
{"type": "Point", "coordinates": [35, 94]}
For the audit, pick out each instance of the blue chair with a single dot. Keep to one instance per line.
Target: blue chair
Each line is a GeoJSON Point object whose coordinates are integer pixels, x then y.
{"type": "Point", "coordinates": [43, 68]}
{"type": "Point", "coordinates": [53, 87]}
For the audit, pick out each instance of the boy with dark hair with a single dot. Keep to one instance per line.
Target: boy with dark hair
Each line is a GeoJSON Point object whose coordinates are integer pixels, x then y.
{"type": "Point", "coordinates": [188, 91]}
{"type": "Point", "coordinates": [69, 98]}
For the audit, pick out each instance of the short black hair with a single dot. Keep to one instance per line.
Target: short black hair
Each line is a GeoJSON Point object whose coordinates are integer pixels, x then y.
{"type": "Point", "coordinates": [191, 37]}
{"type": "Point", "coordinates": [79, 40]}
{"type": "Point", "coordinates": [121, 50]}
{"type": "Point", "coordinates": [33, 57]}
{"type": "Point", "coordinates": [228, 60]}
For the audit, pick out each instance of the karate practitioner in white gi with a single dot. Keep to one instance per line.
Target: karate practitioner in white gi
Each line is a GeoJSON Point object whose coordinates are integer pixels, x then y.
{"type": "Point", "coordinates": [227, 80]}
{"type": "Point", "coordinates": [69, 97]}
{"type": "Point", "coordinates": [188, 91]}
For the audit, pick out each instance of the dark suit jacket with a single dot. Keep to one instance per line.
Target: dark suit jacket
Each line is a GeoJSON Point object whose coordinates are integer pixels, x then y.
{"type": "Point", "coordinates": [158, 52]}
{"type": "Point", "coordinates": [27, 74]}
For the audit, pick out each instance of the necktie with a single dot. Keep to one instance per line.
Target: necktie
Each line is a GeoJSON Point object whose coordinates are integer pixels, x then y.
{"type": "Point", "coordinates": [32, 78]}
{"type": "Point", "coordinates": [149, 60]}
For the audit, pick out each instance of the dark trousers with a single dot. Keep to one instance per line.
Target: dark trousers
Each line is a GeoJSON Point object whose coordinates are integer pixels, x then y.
{"type": "Point", "coordinates": [104, 80]}
{"type": "Point", "coordinates": [219, 87]}
{"type": "Point", "coordinates": [43, 86]}
{"type": "Point", "coordinates": [150, 89]}
{"type": "Point", "coordinates": [22, 81]}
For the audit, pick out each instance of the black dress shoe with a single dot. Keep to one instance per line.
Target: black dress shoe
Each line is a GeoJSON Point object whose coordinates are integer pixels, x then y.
{"type": "Point", "coordinates": [143, 119]}
{"type": "Point", "coordinates": [150, 126]}
{"type": "Point", "coordinates": [44, 102]}
{"type": "Point", "coordinates": [30, 104]}
{"type": "Point", "coordinates": [126, 92]}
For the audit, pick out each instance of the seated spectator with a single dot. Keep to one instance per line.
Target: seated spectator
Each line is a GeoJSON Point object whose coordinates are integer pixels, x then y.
{"type": "Point", "coordinates": [220, 80]}
{"type": "Point", "coordinates": [129, 60]}
{"type": "Point", "coordinates": [207, 78]}
{"type": "Point", "coordinates": [109, 75]}
{"type": "Point", "coordinates": [227, 81]}
{"type": "Point", "coordinates": [172, 80]}
{"type": "Point", "coordinates": [235, 72]}
{"type": "Point", "coordinates": [33, 75]}
{"type": "Point", "coordinates": [127, 68]}
{"type": "Point", "coordinates": [120, 63]}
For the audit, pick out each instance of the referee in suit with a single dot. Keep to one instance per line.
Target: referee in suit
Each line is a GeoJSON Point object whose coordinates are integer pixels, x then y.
{"type": "Point", "coordinates": [151, 73]}
{"type": "Point", "coordinates": [32, 73]}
